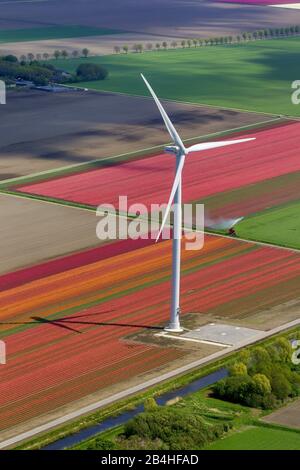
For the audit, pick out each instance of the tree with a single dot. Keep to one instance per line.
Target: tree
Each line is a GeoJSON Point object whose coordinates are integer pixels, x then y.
{"type": "Point", "coordinates": [45, 56]}
{"type": "Point", "coordinates": [281, 351]}
{"type": "Point", "coordinates": [23, 58]}
{"type": "Point", "coordinates": [157, 45]}
{"type": "Point", "coordinates": [244, 36]}
{"type": "Point", "coordinates": [195, 42]}
{"type": "Point", "coordinates": [75, 54]}
{"type": "Point", "coordinates": [238, 368]}
{"type": "Point", "coordinates": [64, 54]}
{"type": "Point", "coordinates": [30, 56]}
{"type": "Point", "coordinates": [140, 48]}
{"type": "Point", "coordinates": [150, 404]}
{"type": "Point", "coordinates": [117, 49]}
{"type": "Point", "coordinates": [86, 72]}
{"type": "Point", "coordinates": [174, 44]}
{"type": "Point", "coordinates": [10, 58]}
{"type": "Point", "coordinates": [85, 52]}
{"type": "Point", "coordinates": [125, 49]}
{"type": "Point", "coordinates": [260, 362]}
{"type": "Point", "coordinates": [149, 46]}
{"type": "Point", "coordinates": [200, 42]}
{"type": "Point", "coordinates": [38, 57]}
{"type": "Point", "coordinates": [262, 384]}
{"type": "Point", "coordinates": [165, 45]}
{"type": "Point", "coordinates": [230, 39]}
{"type": "Point", "coordinates": [238, 38]}
{"type": "Point", "coordinates": [189, 43]}
{"type": "Point", "coordinates": [56, 54]}
{"type": "Point", "coordinates": [280, 385]}
{"type": "Point", "coordinates": [183, 43]}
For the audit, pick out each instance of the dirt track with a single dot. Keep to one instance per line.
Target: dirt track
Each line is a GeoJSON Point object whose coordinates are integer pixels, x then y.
{"type": "Point", "coordinates": [41, 131]}
{"type": "Point", "coordinates": [287, 416]}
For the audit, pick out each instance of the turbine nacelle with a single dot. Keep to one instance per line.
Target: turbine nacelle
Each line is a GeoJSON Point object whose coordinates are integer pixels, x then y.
{"type": "Point", "coordinates": [173, 149]}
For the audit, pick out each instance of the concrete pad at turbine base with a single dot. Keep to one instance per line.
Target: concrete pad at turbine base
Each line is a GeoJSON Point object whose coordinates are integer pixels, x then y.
{"type": "Point", "coordinates": [229, 335]}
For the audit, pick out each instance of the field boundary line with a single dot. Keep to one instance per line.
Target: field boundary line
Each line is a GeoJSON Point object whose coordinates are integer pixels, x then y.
{"type": "Point", "coordinates": [130, 217]}
{"type": "Point", "coordinates": [129, 154]}
{"type": "Point", "coordinates": [200, 105]}
{"type": "Point", "coordinates": [145, 385]}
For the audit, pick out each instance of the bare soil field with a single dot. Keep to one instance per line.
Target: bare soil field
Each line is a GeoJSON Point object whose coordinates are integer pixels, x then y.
{"type": "Point", "coordinates": [97, 45]}
{"type": "Point", "coordinates": [160, 17]}
{"type": "Point", "coordinates": [33, 231]}
{"type": "Point", "coordinates": [287, 416]}
{"type": "Point", "coordinates": [41, 131]}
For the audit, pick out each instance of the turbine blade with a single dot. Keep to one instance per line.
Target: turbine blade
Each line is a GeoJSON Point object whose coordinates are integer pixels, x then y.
{"type": "Point", "coordinates": [213, 145]}
{"type": "Point", "coordinates": [171, 129]}
{"type": "Point", "coordinates": [172, 195]}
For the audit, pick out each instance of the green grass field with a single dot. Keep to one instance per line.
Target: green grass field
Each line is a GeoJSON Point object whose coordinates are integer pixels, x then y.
{"type": "Point", "coordinates": [255, 75]}
{"type": "Point", "coordinates": [259, 438]}
{"type": "Point", "coordinates": [52, 32]}
{"type": "Point", "coordinates": [280, 226]}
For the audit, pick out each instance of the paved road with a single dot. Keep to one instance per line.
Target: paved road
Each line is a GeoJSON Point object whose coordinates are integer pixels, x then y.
{"type": "Point", "coordinates": [138, 388]}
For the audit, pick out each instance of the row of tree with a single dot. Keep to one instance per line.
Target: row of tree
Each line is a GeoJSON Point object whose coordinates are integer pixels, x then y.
{"type": "Point", "coordinates": [184, 43]}
{"type": "Point", "coordinates": [188, 43]}
{"type": "Point", "coordinates": [64, 54]}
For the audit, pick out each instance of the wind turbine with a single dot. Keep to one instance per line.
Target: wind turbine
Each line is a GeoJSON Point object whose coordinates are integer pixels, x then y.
{"type": "Point", "coordinates": [180, 152]}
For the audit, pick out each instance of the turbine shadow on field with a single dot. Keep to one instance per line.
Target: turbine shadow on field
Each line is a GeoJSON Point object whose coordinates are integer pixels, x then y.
{"type": "Point", "coordinates": [63, 322]}
{"type": "Point", "coordinates": [68, 322]}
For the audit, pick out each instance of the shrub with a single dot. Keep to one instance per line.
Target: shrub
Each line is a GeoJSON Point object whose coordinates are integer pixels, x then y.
{"type": "Point", "coordinates": [238, 368]}
{"type": "Point", "coordinates": [10, 58]}
{"type": "Point", "coordinates": [172, 428]}
{"type": "Point", "coordinates": [262, 384]}
{"type": "Point", "coordinates": [101, 444]}
{"type": "Point", "coordinates": [87, 72]}
{"type": "Point", "coordinates": [280, 385]}
{"type": "Point", "coordinates": [150, 404]}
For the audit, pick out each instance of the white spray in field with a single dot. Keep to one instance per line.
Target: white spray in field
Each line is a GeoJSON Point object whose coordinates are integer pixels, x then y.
{"type": "Point", "coordinates": [221, 223]}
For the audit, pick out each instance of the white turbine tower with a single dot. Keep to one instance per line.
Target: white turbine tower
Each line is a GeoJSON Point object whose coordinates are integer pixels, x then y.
{"type": "Point", "coordinates": [180, 152]}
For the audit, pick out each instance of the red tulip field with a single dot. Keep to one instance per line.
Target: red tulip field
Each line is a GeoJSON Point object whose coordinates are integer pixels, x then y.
{"type": "Point", "coordinates": [66, 322]}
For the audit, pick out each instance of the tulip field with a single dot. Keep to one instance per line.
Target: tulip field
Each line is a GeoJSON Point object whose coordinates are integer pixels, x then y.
{"type": "Point", "coordinates": [66, 323]}
{"type": "Point", "coordinates": [236, 181]}
{"type": "Point", "coordinates": [148, 181]}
